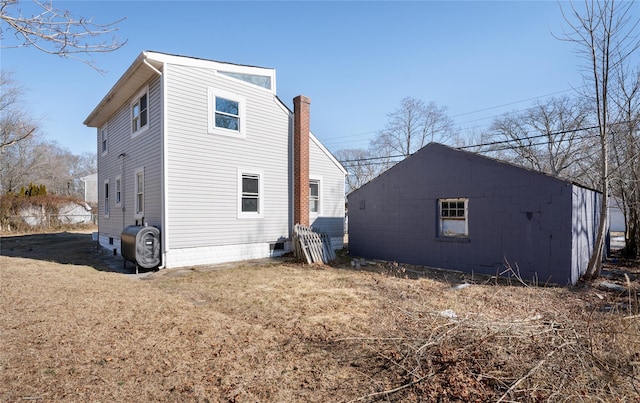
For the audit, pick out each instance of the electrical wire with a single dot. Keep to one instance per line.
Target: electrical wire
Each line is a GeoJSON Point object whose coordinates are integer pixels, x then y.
{"type": "Point", "coordinates": [352, 162]}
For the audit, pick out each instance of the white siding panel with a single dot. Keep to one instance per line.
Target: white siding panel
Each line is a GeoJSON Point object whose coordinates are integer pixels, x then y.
{"type": "Point", "coordinates": [203, 168]}
{"type": "Point", "coordinates": [219, 254]}
{"type": "Point", "coordinates": [331, 219]}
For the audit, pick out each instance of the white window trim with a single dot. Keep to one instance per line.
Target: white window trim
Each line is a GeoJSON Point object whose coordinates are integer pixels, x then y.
{"type": "Point", "coordinates": [245, 214]}
{"type": "Point", "coordinates": [319, 212]}
{"type": "Point", "coordinates": [136, 99]}
{"type": "Point", "coordinates": [104, 138]}
{"type": "Point", "coordinates": [118, 181]}
{"type": "Point", "coordinates": [136, 213]}
{"type": "Point", "coordinates": [242, 115]}
{"type": "Point", "coordinates": [466, 218]}
{"type": "Point", "coordinates": [106, 198]}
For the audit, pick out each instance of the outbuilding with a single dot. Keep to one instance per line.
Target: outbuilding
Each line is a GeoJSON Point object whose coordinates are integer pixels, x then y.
{"type": "Point", "coordinates": [452, 209]}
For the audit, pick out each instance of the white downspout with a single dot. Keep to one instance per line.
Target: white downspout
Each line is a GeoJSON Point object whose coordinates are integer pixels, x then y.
{"type": "Point", "coordinates": [151, 66]}
{"type": "Point", "coordinates": [163, 162]}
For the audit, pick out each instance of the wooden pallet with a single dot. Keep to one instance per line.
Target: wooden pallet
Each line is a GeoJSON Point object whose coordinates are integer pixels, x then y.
{"type": "Point", "coordinates": [314, 247]}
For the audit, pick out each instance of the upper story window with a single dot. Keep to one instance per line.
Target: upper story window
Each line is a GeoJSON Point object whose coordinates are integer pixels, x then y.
{"type": "Point", "coordinates": [250, 195]}
{"type": "Point", "coordinates": [104, 141]}
{"type": "Point", "coordinates": [226, 113]}
{"type": "Point", "coordinates": [140, 112]}
{"type": "Point", "coordinates": [260, 81]}
{"type": "Point", "coordinates": [454, 218]}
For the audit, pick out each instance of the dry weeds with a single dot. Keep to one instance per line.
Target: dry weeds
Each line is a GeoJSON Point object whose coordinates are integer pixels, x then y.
{"type": "Point", "coordinates": [289, 332]}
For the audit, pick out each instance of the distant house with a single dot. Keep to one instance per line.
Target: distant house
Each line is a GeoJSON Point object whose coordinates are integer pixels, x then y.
{"type": "Point", "coordinates": [90, 188]}
{"type": "Point", "coordinates": [452, 209]}
{"type": "Point", "coordinates": [616, 215]}
{"type": "Point", "coordinates": [206, 152]}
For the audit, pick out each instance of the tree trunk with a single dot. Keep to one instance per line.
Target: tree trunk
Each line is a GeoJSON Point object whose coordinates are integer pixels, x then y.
{"type": "Point", "coordinates": [632, 236]}
{"type": "Point", "coordinates": [595, 261]}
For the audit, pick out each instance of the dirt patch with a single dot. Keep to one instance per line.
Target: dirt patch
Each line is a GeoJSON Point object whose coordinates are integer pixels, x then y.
{"type": "Point", "coordinates": [281, 331]}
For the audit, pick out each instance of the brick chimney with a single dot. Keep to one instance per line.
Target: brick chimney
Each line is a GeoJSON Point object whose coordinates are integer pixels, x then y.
{"type": "Point", "coordinates": [301, 160]}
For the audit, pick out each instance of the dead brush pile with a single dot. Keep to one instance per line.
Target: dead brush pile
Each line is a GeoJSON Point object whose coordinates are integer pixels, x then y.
{"type": "Point", "coordinates": [504, 343]}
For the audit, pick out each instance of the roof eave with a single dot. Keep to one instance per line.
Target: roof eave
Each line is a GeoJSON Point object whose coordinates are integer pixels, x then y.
{"type": "Point", "coordinates": [130, 82]}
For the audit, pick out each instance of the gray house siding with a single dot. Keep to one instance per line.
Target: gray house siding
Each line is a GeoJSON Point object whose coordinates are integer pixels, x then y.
{"type": "Point", "coordinates": [330, 219]}
{"type": "Point", "coordinates": [140, 152]}
{"type": "Point", "coordinates": [514, 215]}
{"type": "Point", "coordinates": [203, 167]}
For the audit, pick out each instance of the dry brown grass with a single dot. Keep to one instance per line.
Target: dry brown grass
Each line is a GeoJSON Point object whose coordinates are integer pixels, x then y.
{"type": "Point", "coordinates": [289, 332]}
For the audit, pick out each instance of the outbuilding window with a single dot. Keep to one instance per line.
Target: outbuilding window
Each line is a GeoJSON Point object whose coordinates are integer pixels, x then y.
{"type": "Point", "coordinates": [453, 218]}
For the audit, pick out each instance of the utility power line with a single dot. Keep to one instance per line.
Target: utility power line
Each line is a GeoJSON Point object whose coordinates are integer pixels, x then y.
{"type": "Point", "coordinates": [344, 139]}
{"type": "Point", "coordinates": [493, 143]}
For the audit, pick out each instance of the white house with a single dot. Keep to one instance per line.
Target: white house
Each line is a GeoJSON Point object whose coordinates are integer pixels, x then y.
{"type": "Point", "coordinates": [207, 153]}
{"type": "Point", "coordinates": [90, 188]}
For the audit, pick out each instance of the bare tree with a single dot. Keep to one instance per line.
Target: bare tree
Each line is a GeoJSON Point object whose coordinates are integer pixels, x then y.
{"type": "Point", "coordinates": [34, 160]}
{"type": "Point", "coordinates": [548, 137]}
{"type": "Point", "coordinates": [15, 124]}
{"type": "Point", "coordinates": [625, 147]}
{"type": "Point", "coordinates": [605, 34]}
{"type": "Point", "coordinates": [412, 126]}
{"type": "Point", "coordinates": [25, 157]}
{"type": "Point", "coordinates": [57, 32]}
{"type": "Point", "coordinates": [361, 165]}
{"type": "Point", "coordinates": [15, 164]}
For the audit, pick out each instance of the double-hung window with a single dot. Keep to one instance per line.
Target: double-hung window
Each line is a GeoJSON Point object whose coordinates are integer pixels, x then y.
{"type": "Point", "coordinates": [226, 113]}
{"type": "Point", "coordinates": [104, 141]}
{"type": "Point", "coordinates": [250, 194]}
{"type": "Point", "coordinates": [454, 221]}
{"type": "Point", "coordinates": [118, 191]}
{"type": "Point", "coordinates": [140, 112]}
{"type": "Point", "coordinates": [314, 196]}
{"type": "Point", "coordinates": [106, 198]}
{"type": "Point", "coordinates": [139, 193]}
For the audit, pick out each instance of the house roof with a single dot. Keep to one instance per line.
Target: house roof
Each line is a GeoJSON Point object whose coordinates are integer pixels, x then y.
{"type": "Point", "coordinates": [437, 146]}
{"type": "Point", "coordinates": [149, 63]}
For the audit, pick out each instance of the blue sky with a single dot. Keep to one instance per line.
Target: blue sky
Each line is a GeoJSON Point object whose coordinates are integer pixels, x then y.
{"type": "Point", "coordinates": [355, 60]}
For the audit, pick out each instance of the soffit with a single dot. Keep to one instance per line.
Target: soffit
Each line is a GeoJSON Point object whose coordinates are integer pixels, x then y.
{"type": "Point", "coordinates": [130, 82]}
